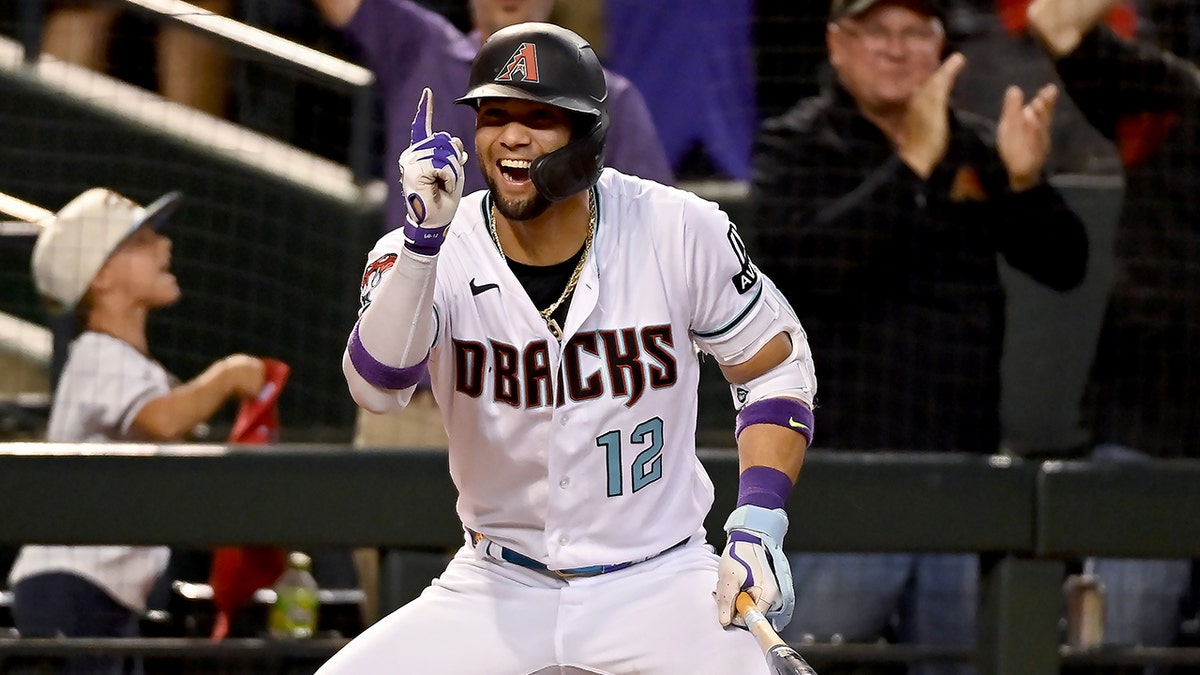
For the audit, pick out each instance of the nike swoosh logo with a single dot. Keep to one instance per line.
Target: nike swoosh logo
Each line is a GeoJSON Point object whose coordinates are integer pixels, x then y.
{"type": "Point", "coordinates": [476, 290]}
{"type": "Point", "coordinates": [797, 425]}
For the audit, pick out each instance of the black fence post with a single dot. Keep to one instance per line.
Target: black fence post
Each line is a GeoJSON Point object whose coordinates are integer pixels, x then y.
{"type": "Point", "coordinates": [1019, 626]}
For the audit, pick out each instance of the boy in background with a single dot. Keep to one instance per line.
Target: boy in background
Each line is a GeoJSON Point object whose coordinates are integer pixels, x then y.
{"type": "Point", "coordinates": [103, 258]}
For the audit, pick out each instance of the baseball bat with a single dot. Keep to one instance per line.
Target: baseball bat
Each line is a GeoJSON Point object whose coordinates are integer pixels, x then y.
{"type": "Point", "coordinates": [782, 658]}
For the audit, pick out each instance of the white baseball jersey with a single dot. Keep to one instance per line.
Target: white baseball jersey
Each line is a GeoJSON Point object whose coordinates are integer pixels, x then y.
{"type": "Point", "coordinates": [583, 453]}
{"type": "Point", "coordinates": [103, 386]}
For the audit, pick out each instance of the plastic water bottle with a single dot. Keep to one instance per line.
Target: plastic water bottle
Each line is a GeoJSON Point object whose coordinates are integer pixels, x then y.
{"type": "Point", "coordinates": [294, 613]}
{"type": "Point", "coordinates": [1085, 610]}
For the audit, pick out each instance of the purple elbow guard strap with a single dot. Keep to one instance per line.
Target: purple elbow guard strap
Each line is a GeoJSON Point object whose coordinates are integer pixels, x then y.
{"type": "Point", "coordinates": [423, 240]}
{"type": "Point", "coordinates": [380, 374]}
{"type": "Point", "coordinates": [784, 412]}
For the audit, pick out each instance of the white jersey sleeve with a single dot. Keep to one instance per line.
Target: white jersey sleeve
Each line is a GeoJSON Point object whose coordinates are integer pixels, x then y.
{"type": "Point", "coordinates": [731, 316]}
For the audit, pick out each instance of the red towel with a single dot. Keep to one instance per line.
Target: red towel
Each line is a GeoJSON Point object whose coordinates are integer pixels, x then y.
{"type": "Point", "coordinates": [238, 571]}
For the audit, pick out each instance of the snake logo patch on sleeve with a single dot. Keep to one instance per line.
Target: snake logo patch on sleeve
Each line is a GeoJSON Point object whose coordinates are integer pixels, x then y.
{"type": "Point", "coordinates": [371, 278]}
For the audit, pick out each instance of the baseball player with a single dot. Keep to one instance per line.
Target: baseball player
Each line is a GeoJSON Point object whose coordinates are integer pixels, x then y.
{"type": "Point", "coordinates": [561, 313]}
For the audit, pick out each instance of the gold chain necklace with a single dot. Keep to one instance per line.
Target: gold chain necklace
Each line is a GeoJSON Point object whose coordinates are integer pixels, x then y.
{"type": "Point", "coordinates": [548, 313]}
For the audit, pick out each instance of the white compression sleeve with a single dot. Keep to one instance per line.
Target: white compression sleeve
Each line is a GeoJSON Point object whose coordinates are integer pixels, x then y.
{"type": "Point", "coordinates": [395, 330]}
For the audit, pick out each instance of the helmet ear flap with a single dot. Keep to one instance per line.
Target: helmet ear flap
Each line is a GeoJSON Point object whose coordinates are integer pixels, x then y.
{"type": "Point", "coordinates": [574, 167]}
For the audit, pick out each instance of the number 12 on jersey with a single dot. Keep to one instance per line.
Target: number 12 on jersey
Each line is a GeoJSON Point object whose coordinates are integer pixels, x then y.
{"type": "Point", "coordinates": [646, 466]}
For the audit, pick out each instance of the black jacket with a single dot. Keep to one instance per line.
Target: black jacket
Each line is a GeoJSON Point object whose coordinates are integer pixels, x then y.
{"type": "Point", "coordinates": [1145, 386]}
{"type": "Point", "coordinates": [896, 278]}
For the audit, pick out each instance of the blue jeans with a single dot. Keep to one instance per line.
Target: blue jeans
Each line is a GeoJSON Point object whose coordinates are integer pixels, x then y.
{"type": "Point", "coordinates": [1143, 597]}
{"type": "Point", "coordinates": [47, 605]}
{"type": "Point", "coordinates": [927, 599]}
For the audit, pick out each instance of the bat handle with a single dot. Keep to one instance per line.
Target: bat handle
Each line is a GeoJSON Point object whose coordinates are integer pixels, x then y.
{"type": "Point", "coordinates": [756, 623]}
{"type": "Point", "coordinates": [783, 659]}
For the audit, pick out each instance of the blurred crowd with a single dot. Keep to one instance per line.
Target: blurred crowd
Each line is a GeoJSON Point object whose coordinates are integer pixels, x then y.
{"type": "Point", "coordinates": [749, 61]}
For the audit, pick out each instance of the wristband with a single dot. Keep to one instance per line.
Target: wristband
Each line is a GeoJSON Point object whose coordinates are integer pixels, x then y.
{"type": "Point", "coordinates": [380, 374]}
{"type": "Point", "coordinates": [780, 411]}
{"type": "Point", "coordinates": [763, 486]}
{"type": "Point", "coordinates": [423, 240]}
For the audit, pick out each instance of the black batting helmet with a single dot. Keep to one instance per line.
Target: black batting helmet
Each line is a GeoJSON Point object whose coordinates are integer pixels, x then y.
{"type": "Point", "coordinates": [549, 64]}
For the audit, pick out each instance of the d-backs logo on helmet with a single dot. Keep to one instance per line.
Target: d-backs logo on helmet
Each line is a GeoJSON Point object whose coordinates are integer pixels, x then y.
{"type": "Point", "coordinates": [523, 62]}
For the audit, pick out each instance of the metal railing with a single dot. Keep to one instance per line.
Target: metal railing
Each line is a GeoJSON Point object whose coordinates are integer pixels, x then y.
{"type": "Point", "coordinates": [1028, 519]}
{"type": "Point", "coordinates": [342, 76]}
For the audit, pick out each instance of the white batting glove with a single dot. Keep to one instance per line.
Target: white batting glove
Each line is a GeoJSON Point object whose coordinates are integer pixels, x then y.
{"type": "Point", "coordinates": [431, 173]}
{"type": "Point", "coordinates": [754, 562]}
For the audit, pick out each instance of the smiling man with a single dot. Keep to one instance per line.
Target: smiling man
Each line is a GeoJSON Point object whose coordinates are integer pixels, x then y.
{"type": "Point", "coordinates": [409, 47]}
{"type": "Point", "coordinates": [882, 212]}
{"type": "Point", "coordinates": [560, 314]}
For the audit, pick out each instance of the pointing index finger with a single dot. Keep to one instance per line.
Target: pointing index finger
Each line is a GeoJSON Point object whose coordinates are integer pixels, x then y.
{"type": "Point", "coordinates": [422, 126]}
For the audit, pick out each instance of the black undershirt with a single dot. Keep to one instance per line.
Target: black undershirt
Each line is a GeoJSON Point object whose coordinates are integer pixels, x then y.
{"type": "Point", "coordinates": [544, 284]}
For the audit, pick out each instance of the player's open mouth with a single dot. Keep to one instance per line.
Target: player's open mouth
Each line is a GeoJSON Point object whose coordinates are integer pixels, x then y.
{"type": "Point", "coordinates": [515, 170]}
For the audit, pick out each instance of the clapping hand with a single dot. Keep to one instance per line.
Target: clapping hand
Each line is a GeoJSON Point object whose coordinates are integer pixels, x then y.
{"type": "Point", "coordinates": [927, 124]}
{"type": "Point", "coordinates": [1023, 134]}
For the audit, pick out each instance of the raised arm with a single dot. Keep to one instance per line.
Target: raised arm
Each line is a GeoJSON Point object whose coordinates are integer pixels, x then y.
{"type": "Point", "coordinates": [389, 346]}
{"type": "Point", "coordinates": [1107, 76]}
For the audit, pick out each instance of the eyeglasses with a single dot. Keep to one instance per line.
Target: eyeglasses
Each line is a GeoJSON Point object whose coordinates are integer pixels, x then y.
{"type": "Point", "coordinates": [876, 37]}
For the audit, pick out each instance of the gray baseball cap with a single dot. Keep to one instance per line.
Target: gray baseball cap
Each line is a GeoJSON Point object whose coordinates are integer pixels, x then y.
{"type": "Point", "coordinates": [842, 9]}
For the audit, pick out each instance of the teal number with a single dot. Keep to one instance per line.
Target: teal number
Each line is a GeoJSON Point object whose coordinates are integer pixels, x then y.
{"type": "Point", "coordinates": [611, 442]}
{"type": "Point", "coordinates": [647, 466]}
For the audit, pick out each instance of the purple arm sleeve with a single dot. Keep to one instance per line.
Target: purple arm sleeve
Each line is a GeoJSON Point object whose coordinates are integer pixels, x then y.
{"type": "Point", "coordinates": [380, 374]}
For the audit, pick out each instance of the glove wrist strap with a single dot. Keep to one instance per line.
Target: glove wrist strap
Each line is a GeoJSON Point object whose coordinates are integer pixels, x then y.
{"type": "Point", "coordinates": [423, 240]}
{"type": "Point", "coordinates": [772, 523]}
